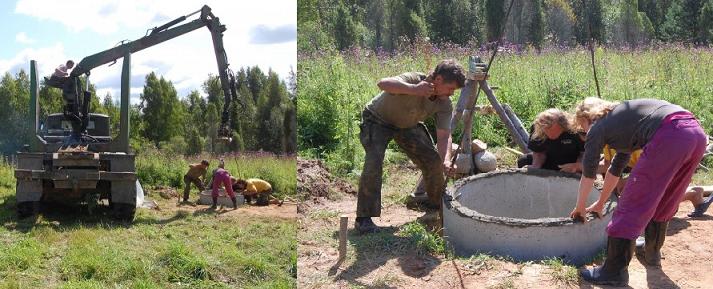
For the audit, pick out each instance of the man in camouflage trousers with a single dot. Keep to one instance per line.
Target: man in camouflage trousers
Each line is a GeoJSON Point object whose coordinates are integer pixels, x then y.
{"type": "Point", "coordinates": [398, 113]}
{"type": "Point", "coordinates": [195, 172]}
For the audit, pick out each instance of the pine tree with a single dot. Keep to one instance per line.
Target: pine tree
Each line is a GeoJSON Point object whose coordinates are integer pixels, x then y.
{"type": "Point", "coordinates": [536, 29]}
{"type": "Point", "coordinates": [162, 113]}
{"type": "Point", "coordinates": [345, 30]}
{"type": "Point", "coordinates": [494, 18]}
{"type": "Point", "coordinates": [705, 23]}
{"type": "Point", "coordinates": [682, 21]}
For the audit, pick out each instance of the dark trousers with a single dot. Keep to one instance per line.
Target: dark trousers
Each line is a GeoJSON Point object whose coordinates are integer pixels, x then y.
{"type": "Point", "coordinates": [418, 146]}
{"type": "Point", "coordinates": [187, 181]}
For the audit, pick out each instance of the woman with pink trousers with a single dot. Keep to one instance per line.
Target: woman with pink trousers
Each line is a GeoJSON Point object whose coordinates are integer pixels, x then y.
{"type": "Point", "coordinates": [673, 144]}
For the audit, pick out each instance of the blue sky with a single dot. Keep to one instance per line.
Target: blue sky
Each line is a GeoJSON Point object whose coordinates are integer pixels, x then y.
{"type": "Point", "coordinates": [261, 33]}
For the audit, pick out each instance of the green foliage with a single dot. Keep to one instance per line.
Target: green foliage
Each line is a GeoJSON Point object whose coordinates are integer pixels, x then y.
{"type": "Point", "coordinates": [494, 19]}
{"type": "Point", "coordinates": [156, 168]}
{"type": "Point", "coordinates": [589, 20]}
{"type": "Point", "coordinates": [423, 239]}
{"type": "Point", "coordinates": [560, 20]}
{"type": "Point", "coordinates": [22, 255]}
{"type": "Point", "coordinates": [14, 99]}
{"type": "Point", "coordinates": [536, 28]}
{"type": "Point", "coordinates": [7, 175]}
{"type": "Point", "coordinates": [631, 26]}
{"type": "Point", "coordinates": [330, 101]}
{"type": "Point", "coordinates": [213, 123]}
{"type": "Point", "coordinates": [160, 249]}
{"type": "Point", "coordinates": [195, 142]}
{"type": "Point", "coordinates": [177, 145]}
{"type": "Point", "coordinates": [333, 90]}
{"type": "Point", "coordinates": [705, 22]}
{"type": "Point", "coordinates": [395, 24]}
{"type": "Point", "coordinates": [161, 110]}
{"type": "Point", "coordinates": [682, 21]}
{"type": "Point", "coordinates": [345, 29]}
{"type": "Point", "coordinates": [183, 265]}
{"type": "Point", "coordinates": [280, 172]}
{"type": "Point", "coordinates": [561, 273]}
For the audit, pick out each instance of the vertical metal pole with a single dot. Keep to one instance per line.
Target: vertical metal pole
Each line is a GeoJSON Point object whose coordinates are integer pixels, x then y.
{"type": "Point", "coordinates": [125, 92]}
{"type": "Point", "coordinates": [34, 98]}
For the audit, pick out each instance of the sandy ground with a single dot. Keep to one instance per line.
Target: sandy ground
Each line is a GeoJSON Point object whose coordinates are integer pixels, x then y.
{"type": "Point", "coordinates": [383, 261]}
{"type": "Point", "coordinates": [167, 200]}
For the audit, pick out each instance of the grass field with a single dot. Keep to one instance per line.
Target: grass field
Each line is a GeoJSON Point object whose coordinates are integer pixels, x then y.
{"type": "Point", "coordinates": [171, 248]}
{"type": "Point", "coordinates": [155, 168]}
{"type": "Point", "coordinates": [333, 89]}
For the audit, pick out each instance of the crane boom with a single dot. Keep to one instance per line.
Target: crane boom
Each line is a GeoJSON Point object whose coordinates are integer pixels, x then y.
{"type": "Point", "coordinates": [71, 92]}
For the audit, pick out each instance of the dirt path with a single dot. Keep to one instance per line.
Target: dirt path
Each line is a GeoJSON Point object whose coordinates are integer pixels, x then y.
{"type": "Point", "coordinates": [288, 210]}
{"type": "Point", "coordinates": [389, 260]}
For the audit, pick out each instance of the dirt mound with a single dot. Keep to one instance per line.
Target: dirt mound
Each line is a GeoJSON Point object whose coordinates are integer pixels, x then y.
{"type": "Point", "coordinates": [314, 181]}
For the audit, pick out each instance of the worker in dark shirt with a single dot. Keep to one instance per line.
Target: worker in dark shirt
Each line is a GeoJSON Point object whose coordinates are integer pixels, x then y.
{"type": "Point", "coordinates": [554, 144]}
{"type": "Point", "coordinates": [673, 143]}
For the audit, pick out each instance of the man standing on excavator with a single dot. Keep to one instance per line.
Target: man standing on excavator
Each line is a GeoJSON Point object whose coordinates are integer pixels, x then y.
{"type": "Point", "coordinates": [398, 113]}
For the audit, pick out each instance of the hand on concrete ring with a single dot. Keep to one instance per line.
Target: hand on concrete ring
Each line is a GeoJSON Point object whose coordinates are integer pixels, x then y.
{"type": "Point", "coordinates": [596, 208]}
{"type": "Point", "coordinates": [568, 168]}
{"type": "Point", "coordinates": [578, 214]}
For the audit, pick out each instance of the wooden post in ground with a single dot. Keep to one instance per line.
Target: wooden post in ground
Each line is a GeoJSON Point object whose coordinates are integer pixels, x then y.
{"type": "Point", "coordinates": [343, 220]}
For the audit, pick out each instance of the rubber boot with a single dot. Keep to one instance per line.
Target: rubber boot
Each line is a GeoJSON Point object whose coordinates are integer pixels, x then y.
{"type": "Point", "coordinates": [654, 236]}
{"type": "Point", "coordinates": [215, 203]}
{"type": "Point", "coordinates": [235, 203]}
{"type": "Point", "coordinates": [365, 225]}
{"type": "Point", "coordinates": [614, 271]}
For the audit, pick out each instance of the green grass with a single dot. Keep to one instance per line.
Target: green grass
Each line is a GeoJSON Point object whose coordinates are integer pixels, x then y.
{"type": "Point", "coordinates": [161, 249]}
{"type": "Point", "coordinates": [334, 88]}
{"type": "Point", "coordinates": [425, 241]}
{"type": "Point", "coordinates": [562, 273]}
{"type": "Point", "coordinates": [156, 168]}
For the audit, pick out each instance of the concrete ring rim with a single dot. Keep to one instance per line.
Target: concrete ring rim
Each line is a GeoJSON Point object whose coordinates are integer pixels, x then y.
{"type": "Point", "coordinates": [451, 203]}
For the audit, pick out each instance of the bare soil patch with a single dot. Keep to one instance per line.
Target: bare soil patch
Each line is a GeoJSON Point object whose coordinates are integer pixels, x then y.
{"type": "Point", "coordinates": [386, 260]}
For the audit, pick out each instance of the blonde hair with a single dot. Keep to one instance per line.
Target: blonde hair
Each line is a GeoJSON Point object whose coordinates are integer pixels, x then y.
{"type": "Point", "coordinates": [593, 108]}
{"type": "Point", "coordinates": [549, 117]}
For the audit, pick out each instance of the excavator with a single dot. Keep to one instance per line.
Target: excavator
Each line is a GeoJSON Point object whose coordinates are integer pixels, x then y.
{"type": "Point", "coordinates": [73, 158]}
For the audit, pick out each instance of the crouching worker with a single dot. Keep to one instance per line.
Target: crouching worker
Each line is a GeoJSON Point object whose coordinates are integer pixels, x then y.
{"type": "Point", "coordinates": [673, 144]}
{"type": "Point", "coordinates": [554, 143]}
{"type": "Point", "coordinates": [222, 177]}
{"type": "Point", "coordinates": [193, 176]}
{"type": "Point", "coordinates": [254, 188]}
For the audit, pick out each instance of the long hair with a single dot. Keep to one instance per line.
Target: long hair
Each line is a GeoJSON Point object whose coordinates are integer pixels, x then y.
{"type": "Point", "coordinates": [593, 108]}
{"type": "Point", "coordinates": [549, 117]}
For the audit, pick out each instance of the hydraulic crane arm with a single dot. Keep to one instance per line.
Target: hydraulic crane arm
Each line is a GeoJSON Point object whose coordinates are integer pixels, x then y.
{"type": "Point", "coordinates": [166, 32]}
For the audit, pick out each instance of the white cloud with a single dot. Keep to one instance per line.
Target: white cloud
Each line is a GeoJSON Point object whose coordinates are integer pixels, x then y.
{"type": "Point", "coordinates": [21, 37]}
{"type": "Point", "coordinates": [48, 58]}
{"type": "Point", "coordinates": [186, 60]}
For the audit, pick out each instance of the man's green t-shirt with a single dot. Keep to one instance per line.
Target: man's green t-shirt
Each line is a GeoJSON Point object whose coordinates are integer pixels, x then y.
{"type": "Point", "coordinates": [405, 111]}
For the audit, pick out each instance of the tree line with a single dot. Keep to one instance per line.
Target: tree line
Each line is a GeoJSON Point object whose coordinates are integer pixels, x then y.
{"type": "Point", "coordinates": [390, 24]}
{"type": "Point", "coordinates": [262, 116]}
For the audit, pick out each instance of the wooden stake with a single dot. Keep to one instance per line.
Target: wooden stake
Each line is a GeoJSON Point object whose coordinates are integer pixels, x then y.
{"type": "Point", "coordinates": [343, 220]}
